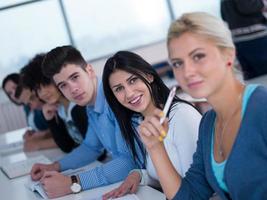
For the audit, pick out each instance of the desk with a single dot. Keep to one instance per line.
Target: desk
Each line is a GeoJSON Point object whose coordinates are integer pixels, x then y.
{"type": "Point", "coordinates": [12, 136]}
{"type": "Point", "coordinates": [51, 154]}
{"type": "Point", "coordinates": [18, 154]}
{"type": "Point", "coordinates": [14, 189]}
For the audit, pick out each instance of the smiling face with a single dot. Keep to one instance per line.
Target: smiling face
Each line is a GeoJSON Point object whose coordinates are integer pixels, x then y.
{"type": "Point", "coordinates": [131, 91]}
{"type": "Point", "coordinates": [49, 93]}
{"type": "Point", "coordinates": [199, 66]}
{"type": "Point", "coordinates": [77, 84]}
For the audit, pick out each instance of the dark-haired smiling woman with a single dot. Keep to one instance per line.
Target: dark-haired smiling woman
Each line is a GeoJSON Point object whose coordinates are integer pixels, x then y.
{"type": "Point", "coordinates": [134, 91]}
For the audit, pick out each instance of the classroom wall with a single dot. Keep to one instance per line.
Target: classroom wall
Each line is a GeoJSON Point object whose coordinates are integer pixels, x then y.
{"type": "Point", "coordinates": [152, 53]}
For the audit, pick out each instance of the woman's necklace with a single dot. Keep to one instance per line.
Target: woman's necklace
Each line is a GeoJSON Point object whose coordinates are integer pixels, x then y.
{"type": "Point", "coordinates": [220, 134]}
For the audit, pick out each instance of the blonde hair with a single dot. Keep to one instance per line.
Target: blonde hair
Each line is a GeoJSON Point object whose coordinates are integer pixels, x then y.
{"type": "Point", "coordinates": [203, 24]}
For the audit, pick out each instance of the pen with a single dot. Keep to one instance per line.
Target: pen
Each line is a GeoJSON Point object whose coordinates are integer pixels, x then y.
{"type": "Point", "coordinates": [165, 111]}
{"type": "Point", "coordinates": [168, 104]}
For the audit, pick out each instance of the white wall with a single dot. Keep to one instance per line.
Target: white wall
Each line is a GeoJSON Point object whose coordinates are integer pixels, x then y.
{"type": "Point", "coordinates": [153, 54]}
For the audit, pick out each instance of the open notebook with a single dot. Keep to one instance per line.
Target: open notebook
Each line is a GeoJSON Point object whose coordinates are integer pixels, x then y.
{"type": "Point", "coordinates": [6, 149]}
{"type": "Point", "coordinates": [21, 168]}
{"type": "Point", "coordinates": [36, 186]}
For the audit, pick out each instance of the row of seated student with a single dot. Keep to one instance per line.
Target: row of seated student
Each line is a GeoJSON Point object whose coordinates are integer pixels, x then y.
{"type": "Point", "coordinates": [53, 120]}
{"type": "Point", "coordinates": [38, 134]}
{"type": "Point", "coordinates": [191, 157]}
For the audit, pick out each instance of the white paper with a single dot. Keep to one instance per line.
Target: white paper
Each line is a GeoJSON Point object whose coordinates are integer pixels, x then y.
{"type": "Point", "coordinates": [21, 168]}
{"type": "Point", "coordinates": [11, 148]}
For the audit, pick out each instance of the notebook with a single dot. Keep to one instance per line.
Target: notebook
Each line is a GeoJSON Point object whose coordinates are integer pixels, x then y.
{"type": "Point", "coordinates": [21, 168]}
{"type": "Point", "coordinates": [11, 148]}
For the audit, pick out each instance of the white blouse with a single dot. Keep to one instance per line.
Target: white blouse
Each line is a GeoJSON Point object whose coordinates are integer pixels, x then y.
{"type": "Point", "coordinates": [180, 142]}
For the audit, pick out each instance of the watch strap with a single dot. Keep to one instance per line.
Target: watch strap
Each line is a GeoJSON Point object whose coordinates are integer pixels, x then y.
{"type": "Point", "coordinates": [74, 179]}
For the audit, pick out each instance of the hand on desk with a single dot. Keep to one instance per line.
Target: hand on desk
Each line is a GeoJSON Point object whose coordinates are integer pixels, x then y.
{"type": "Point", "coordinates": [56, 184]}
{"type": "Point", "coordinates": [130, 185]}
{"type": "Point", "coordinates": [31, 145]}
{"type": "Point", "coordinates": [39, 169]}
{"type": "Point", "coordinates": [36, 135]}
{"type": "Point", "coordinates": [28, 134]}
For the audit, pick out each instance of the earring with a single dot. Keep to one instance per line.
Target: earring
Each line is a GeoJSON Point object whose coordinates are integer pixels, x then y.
{"type": "Point", "coordinates": [229, 64]}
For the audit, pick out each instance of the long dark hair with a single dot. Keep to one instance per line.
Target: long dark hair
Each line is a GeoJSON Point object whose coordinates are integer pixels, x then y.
{"type": "Point", "coordinates": [134, 64]}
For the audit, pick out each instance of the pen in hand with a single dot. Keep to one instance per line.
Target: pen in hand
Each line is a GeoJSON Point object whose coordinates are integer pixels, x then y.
{"type": "Point", "coordinates": [168, 104]}
{"type": "Point", "coordinates": [166, 109]}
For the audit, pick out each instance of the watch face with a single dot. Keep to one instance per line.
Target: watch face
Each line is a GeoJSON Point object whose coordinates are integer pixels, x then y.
{"type": "Point", "coordinates": [75, 188]}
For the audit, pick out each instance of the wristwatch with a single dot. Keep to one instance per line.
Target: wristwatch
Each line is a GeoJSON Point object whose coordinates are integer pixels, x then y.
{"type": "Point", "coordinates": [75, 186]}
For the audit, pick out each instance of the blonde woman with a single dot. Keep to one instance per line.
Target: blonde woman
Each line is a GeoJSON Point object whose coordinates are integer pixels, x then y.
{"type": "Point", "coordinates": [231, 154]}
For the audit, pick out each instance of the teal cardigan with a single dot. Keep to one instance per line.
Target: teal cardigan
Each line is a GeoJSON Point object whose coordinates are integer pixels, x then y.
{"type": "Point", "coordinates": [246, 168]}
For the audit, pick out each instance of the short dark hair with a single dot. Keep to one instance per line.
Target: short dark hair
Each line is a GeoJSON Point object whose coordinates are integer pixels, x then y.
{"type": "Point", "coordinates": [31, 74]}
{"type": "Point", "coordinates": [59, 57]}
{"type": "Point", "coordinates": [14, 77]}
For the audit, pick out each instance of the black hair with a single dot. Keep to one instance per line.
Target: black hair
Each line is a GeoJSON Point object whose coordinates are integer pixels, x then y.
{"type": "Point", "coordinates": [31, 74]}
{"type": "Point", "coordinates": [59, 57]}
{"type": "Point", "coordinates": [15, 78]}
{"type": "Point", "coordinates": [134, 64]}
{"type": "Point", "coordinates": [19, 90]}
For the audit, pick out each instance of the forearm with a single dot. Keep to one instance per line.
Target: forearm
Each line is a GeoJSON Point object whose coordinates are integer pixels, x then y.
{"type": "Point", "coordinates": [80, 156]}
{"type": "Point", "coordinates": [169, 178]}
{"type": "Point", "coordinates": [111, 172]}
{"type": "Point", "coordinates": [55, 166]}
{"type": "Point", "coordinates": [47, 143]}
{"type": "Point", "coordinates": [42, 134]}
{"type": "Point", "coordinates": [47, 134]}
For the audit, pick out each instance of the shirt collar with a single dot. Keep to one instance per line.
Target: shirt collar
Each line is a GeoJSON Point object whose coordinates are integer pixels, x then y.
{"type": "Point", "coordinates": [100, 99]}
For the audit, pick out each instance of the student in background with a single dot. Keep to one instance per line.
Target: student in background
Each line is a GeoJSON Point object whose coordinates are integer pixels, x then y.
{"type": "Point", "coordinates": [36, 137]}
{"type": "Point", "coordinates": [78, 83]}
{"type": "Point", "coordinates": [134, 90]}
{"type": "Point", "coordinates": [231, 152]}
{"type": "Point", "coordinates": [68, 122]}
{"type": "Point", "coordinates": [9, 86]}
{"type": "Point", "coordinates": [249, 31]}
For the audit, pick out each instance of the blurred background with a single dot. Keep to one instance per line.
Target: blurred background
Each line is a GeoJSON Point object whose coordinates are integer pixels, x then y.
{"type": "Point", "coordinates": [98, 28]}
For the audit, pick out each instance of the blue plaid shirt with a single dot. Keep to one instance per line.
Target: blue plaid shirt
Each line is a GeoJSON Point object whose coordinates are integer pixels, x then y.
{"type": "Point", "coordinates": [103, 132]}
